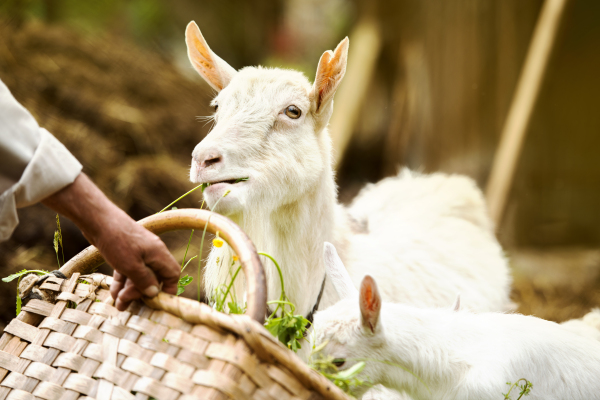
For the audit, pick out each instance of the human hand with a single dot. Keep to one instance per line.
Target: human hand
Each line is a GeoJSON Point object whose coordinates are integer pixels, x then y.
{"type": "Point", "coordinates": [140, 259]}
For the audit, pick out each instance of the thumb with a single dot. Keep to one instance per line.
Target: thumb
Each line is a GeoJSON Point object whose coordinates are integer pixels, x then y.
{"type": "Point", "coordinates": [164, 267]}
{"type": "Point", "coordinates": [144, 279]}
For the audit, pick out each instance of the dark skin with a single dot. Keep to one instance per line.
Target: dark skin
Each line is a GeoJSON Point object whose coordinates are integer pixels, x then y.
{"type": "Point", "coordinates": [140, 259]}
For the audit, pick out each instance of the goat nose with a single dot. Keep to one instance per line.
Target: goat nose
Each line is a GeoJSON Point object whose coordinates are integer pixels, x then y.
{"type": "Point", "coordinates": [208, 158]}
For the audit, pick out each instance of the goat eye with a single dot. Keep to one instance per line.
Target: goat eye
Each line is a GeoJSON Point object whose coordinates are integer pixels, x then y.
{"type": "Point", "coordinates": [338, 362]}
{"type": "Point", "coordinates": [293, 112]}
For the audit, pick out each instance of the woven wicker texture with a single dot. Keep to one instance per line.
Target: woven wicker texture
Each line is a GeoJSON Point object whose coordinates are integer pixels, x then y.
{"type": "Point", "coordinates": [81, 347]}
{"type": "Point", "coordinates": [77, 345]}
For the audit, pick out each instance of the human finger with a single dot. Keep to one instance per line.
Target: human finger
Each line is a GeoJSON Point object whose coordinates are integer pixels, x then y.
{"type": "Point", "coordinates": [140, 275]}
{"type": "Point", "coordinates": [165, 267]}
{"type": "Point", "coordinates": [126, 296]}
{"type": "Point", "coordinates": [118, 284]}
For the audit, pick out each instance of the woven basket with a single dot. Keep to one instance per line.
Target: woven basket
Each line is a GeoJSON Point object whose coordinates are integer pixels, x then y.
{"type": "Point", "coordinates": [81, 347]}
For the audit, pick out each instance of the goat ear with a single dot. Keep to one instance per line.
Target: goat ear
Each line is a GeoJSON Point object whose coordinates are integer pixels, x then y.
{"type": "Point", "coordinates": [370, 303]}
{"type": "Point", "coordinates": [331, 70]}
{"type": "Point", "coordinates": [338, 274]}
{"type": "Point", "coordinates": [216, 72]}
{"type": "Point", "coordinates": [456, 306]}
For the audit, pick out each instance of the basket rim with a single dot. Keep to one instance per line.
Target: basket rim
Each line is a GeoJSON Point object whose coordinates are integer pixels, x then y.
{"type": "Point", "coordinates": [258, 338]}
{"type": "Point", "coordinates": [189, 218]}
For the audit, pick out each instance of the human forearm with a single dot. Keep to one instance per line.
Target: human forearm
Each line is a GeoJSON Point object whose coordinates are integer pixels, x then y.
{"type": "Point", "coordinates": [84, 204]}
{"type": "Point", "coordinates": [140, 258]}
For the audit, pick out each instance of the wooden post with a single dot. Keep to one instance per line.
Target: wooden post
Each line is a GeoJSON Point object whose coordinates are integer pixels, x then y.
{"type": "Point", "coordinates": [521, 109]}
{"type": "Point", "coordinates": [365, 44]}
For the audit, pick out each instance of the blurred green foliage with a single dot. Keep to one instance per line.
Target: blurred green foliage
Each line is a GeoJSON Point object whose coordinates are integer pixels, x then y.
{"type": "Point", "coordinates": [143, 20]}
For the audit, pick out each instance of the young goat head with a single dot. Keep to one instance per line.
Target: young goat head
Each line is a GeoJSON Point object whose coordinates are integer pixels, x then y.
{"type": "Point", "coordinates": [269, 128]}
{"type": "Point", "coordinates": [453, 354]}
{"type": "Point", "coordinates": [351, 333]}
{"type": "Point", "coordinates": [354, 333]}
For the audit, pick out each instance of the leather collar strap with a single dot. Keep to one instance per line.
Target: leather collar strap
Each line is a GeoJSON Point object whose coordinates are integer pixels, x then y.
{"type": "Point", "coordinates": [311, 315]}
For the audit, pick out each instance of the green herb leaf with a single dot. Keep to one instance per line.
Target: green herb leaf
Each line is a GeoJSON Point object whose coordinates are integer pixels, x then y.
{"type": "Point", "coordinates": [234, 308]}
{"type": "Point", "coordinates": [352, 371]}
{"type": "Point", "coordinates": [288, 328]}
{"type": "Point", "coordinates": [12, 277]}
{"type": "Point", "coordinates": [525, 387]}
{"type": "Point", "coordinates": [23, 272]}
{"type": "Point", "coordinates": [183, 282]}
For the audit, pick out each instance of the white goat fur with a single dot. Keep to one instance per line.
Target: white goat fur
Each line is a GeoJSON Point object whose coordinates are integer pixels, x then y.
{"type": "Point", "coordinates": [458, 355]}
{"type": "Point", "coordinates": [588, 325]}
{"type": "Point", "coordinates": [426, 237]}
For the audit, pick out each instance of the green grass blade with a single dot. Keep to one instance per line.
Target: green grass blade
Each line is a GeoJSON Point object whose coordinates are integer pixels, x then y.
{"type": "Point", "coordinates": [186, 264]}
{"type": "Point", "coordinates": [181, 197]}
{"type": "Point", "coordinates": [186, 250]}
{"type": "Point", "coordinates": [231, 283]}
{"type": "Point", "coordinates": [202, 241]}
{"type": "Point", "coordinates": [60, 239]}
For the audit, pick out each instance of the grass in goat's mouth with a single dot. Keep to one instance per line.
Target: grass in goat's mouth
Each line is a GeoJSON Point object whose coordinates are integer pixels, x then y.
{"type": "Point", "coordinates": [230, 181]}
{"type": "Point", "coordinates": [202, 186]}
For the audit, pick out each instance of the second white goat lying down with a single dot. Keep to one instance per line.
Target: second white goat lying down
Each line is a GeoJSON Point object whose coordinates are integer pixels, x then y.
{"type": "Point", "coordinates": [458, 355]}
{"type": "Point", "coordinates": [588, 325]}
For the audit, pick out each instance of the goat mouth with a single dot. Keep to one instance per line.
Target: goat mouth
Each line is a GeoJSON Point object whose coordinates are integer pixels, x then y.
{"type": "Point", "coordinates": [228, 181]}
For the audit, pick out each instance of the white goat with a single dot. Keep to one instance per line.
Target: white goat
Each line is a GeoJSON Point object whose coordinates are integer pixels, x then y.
{"type": "Point", "coordinates": [456, 355]}
{"type": "Point", "coordinates": [429, 236]}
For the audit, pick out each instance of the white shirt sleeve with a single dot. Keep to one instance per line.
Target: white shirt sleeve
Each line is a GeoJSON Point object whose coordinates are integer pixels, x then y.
{"type": "Point", "coordinates": [33, 163]}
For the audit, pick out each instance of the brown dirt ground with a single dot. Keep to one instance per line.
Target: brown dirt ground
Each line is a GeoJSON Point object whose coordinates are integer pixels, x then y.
{"type": "Point", "coordinates": [556, 284]}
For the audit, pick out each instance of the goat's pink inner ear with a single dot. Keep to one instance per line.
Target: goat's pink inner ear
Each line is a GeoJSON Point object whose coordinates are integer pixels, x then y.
{"type": "Point", "coordinates": [370, 303]}
{"type": "Point", "coordinates": [331, 70]}
{"type": "Point", "coordinates": [216, 72]}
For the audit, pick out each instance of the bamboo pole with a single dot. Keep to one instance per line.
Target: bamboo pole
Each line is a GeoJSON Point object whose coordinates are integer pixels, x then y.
{"type": "Point", "coordinates": [521, 109]}
{"type": "Point", "coordinates": [362, 58]}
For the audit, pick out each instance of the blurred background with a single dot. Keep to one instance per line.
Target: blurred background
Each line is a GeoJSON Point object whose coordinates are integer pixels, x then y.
{"type": "Point", "coordinates": [429, 86]}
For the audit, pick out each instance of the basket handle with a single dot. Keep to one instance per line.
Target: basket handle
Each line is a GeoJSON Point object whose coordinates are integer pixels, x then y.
{"type": "Point", "coordinates": [197, 219]}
